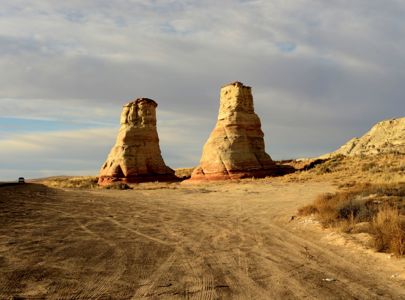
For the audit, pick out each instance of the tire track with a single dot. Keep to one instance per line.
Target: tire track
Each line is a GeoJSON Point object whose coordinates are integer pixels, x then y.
{"type": "Point", "coordinates": [146, 236]}
{"type": "Point", "coordinates": [202, 281]}
{"type": "Point", "coordinates": [101, 287]}
{"type": "Point", "coordinates": [147, 287]}
{"type": "Point", "coordinates": [202, 246]}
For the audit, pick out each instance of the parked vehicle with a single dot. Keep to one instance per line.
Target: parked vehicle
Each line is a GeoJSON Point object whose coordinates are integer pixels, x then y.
{"type": "Point", "coordinates": [21, 180]}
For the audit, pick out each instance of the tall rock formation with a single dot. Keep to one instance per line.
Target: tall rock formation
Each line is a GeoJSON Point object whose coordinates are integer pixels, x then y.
{"type": "Point", "coordinates": [136, 155]}
{"type": "Point", "coordinates": [387, 136]}
{"type": "Point", "coordinates": [235, 148]}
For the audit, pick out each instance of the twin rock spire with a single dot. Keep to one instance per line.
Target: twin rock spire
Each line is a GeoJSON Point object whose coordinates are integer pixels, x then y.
{"type": "Point", "coordinates": [235, 148]}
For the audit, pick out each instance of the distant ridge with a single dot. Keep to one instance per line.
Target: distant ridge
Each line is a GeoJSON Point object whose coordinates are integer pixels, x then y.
{"type": "Point", "coordinates": [387, 136]}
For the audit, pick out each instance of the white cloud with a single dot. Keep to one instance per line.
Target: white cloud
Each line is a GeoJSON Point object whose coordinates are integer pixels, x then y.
{"type": "Point", "coordinates": [83, 151]}
{"type": "Point", "coordinates": [323, 69]}
{"type": "Point", "coordinates": [49, 153]}
{"type": "Point", "coordinates": [73, 110]}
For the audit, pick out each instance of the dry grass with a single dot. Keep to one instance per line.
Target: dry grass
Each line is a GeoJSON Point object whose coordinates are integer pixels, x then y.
{"type": "Point", "coordinates": [381, 205]}
{"type": "Point", "coordinates": [381, 168]}
{"type": "Point", "coordinates": [81, 182]}
{"type": "Point", "coordinates": [184, 173]}
{"type": "Point", "coordinates": [117, 186]}
{"type": "Point", "coordinates": [389, 231]}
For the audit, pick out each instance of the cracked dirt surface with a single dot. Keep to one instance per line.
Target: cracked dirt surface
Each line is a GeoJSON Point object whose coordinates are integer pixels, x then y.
{"type": "Point", "coordinates": [216, 241]}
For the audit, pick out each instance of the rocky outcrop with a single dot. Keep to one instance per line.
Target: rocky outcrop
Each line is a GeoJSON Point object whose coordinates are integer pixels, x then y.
{"type": "Point", "coordinates": [387, 136]}
{"type": "Point", "coordinates": [136, 155]}
{"type": "Point", "coordinates": [235, 148]}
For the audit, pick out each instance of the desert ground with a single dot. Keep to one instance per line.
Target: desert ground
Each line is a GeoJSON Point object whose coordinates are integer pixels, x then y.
{"type": "Point", "coordinates": [179, 241]}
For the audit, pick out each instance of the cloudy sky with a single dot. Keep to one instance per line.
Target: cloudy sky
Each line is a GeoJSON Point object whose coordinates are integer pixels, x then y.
{"type": "Point", "coordinates": [321, 71]}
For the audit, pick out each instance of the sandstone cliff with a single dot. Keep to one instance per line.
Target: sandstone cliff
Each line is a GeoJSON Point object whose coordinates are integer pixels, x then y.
{"type": "Point", "coordinates": [235, 148]}
{"type": "Point", "coordinates": [387, 136]}
{"type": "Point", "coordinates": [136, 155]}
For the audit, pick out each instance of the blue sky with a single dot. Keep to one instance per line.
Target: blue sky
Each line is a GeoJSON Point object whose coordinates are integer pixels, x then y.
{"type": "Point", "coordinates": [321, 71]}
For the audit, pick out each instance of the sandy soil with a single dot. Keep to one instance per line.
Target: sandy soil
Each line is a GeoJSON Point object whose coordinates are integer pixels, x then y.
{"type": "Point", "coordinates": [201, 242]}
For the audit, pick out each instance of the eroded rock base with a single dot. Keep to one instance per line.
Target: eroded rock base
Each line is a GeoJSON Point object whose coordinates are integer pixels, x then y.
{"type": "Point", "coordinates": [106, 180]}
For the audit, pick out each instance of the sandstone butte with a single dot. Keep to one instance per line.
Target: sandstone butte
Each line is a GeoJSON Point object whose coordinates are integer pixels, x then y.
{"type": "Point", "coordinates": [235, 148]}
{"type": "Point", "coordinates": [387, 136]}
{"type": "Point", "coordinates": [136, 155]}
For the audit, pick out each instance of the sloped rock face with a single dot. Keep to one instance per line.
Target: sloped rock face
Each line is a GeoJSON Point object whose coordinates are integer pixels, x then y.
{"type": "Point", "coordinates": [136, 155]}
{"type": "Point", "coordinates": [387, 136]}
{"type": "Point", "coordinates": [235, 148]}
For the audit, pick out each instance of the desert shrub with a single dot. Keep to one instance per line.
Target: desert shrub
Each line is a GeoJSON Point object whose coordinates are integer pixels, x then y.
{"type": "Point", "coordinates": [80, 182]}
{"type": "Point", "coordinates": [90, 182]}
{"type": "Point", "coordinates": [370, 166]}
{"type": "Point", "coordinates": [380, 168]}
{"type": "Point", "coordinates": [283, 169]}
{"type": "Point", "coordinates": [349, 209]}
{"type": "Point", "coordinates": [325, 207]}
{"type": "Point", "coordinates": [184, 173]}
{"type": "Point", "coordinates": [313, 164]}
{"type": "Point", "coordinates": [366, 213]}
{"type": "Point", "coordinates": [389, 231]}
{"type": "Point", "coordinates": [307, 210]}
{"type": "Point", "coordinates": [346, 185]}
{"type": "Point", "coordinates": [382, 205]}
{"type": "Point", "coordinates": [117, 186]}
{"type": "Point", "coordinates": [330, 165]}
{"type": "Point", "coordinates": [323, 169]}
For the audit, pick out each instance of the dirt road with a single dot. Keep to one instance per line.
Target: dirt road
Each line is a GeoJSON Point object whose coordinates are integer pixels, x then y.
{"type": "Point", "coordinates": [199, 242]}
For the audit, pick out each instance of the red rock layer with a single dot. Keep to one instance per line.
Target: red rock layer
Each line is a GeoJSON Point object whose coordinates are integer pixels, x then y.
{"type": "Point", "coordinates": [136, 155]}
{"type": "Point", "coordinates": [235, 148]}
